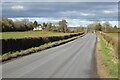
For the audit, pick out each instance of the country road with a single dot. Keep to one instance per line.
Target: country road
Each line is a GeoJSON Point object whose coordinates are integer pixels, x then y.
{"type": "Point", "coordinates": [75, 59]}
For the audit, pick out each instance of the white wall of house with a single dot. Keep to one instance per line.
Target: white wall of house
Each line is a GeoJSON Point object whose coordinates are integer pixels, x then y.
{"type": "Point", "coordinates": [38, 28]}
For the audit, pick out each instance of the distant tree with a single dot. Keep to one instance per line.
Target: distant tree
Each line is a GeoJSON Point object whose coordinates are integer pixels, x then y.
{"type": "Point", "coordinates": [18, 25]}
{"type": "Point", "coordinates": [54, 28]}
{"type": "Point", "coordinates": [80, 29]}
{"type": "Point", "coordinates": [35, 23]}
{"type": "Point", "coordinates": [44, 24]}
{"type": "Point", "coordinates": [49, 26]}
{"type": "Point", "coordinates": [25, 21]}
{"type": "Point", "coordinates": [115, 29]}
{"type": "Point", "coordinates": [107, 27]}
{"type": "Point", "coordinates": [7, 24]}
{"type": "Point", "coordinates": [98, 27]}
{"type": "Point", "coordinates": [90, 28]}
{"type": "Point", "coordinates": [63, 26]}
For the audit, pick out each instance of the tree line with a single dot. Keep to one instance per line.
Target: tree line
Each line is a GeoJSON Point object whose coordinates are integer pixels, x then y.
{"type": "Point", "coordinates": [18, 25]}
{"type": "Point", "coordinates": [105, 27]}
{"type": "Point", "coordinates": [60, 27]}
{"type": "Point", "coordinates": [8, 25]}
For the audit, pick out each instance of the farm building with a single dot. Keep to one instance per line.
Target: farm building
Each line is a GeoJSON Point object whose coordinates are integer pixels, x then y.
{"type": "Point", "coordinates": [38, 28]}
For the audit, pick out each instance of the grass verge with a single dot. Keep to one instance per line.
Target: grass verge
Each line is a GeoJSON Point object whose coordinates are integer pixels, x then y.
{"type": "Point", "coordinates": [106, 53]}
{"type": "Point", "coordinates": [9, 56]}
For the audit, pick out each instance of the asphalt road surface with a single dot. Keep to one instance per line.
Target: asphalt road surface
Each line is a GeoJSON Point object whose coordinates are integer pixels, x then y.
{"type": "Point", "coordinates": [71, 60]}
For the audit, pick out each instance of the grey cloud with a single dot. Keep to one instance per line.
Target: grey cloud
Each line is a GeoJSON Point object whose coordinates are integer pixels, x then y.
{"type": "Point", "coordinates": [53, 9]}
{"type": "Point", "coordinates": [60, 1]}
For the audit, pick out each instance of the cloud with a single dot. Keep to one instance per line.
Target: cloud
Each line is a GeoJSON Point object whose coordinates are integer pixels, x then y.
{"type": "Point", "coordinates": [113, 23]}
{"type": "Point", "coordinates": [39, 20]}
{"type": "Point", "coordinates": [87, 14]}
{"type": "Point", "coordinates": [69, 13]}
{"type": "Point", "coordinates": [71, 22]}
{"type": "Point", "coordinates": [74, 10]}
{"type": "Point", "coordinates": [75, 13]}
{"type": "Point", "coordinates": [109, 11]}
{"type": "Point", "coordinates": [18, 7]}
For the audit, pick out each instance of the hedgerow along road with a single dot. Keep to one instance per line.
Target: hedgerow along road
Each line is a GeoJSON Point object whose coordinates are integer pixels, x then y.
{"type": "Point", "coordinates": [75, 59]}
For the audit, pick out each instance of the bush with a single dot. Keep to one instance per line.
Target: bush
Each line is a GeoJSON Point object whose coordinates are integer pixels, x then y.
{"type": "Point", "coordinates": [11, 45]}
{"type": "Point", "coordinates": [114, 42]}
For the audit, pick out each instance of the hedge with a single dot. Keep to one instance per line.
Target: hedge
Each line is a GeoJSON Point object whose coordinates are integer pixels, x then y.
{"type": "Point", "coordinates": [114, 42]}
{"type": "Point", "coordinates": [11, 45]}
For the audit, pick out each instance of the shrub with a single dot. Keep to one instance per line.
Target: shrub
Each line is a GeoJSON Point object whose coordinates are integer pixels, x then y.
{"type": "Point", "coordinates": [113, 41]}
{"type": "Point", "coordinates": [11, 45]}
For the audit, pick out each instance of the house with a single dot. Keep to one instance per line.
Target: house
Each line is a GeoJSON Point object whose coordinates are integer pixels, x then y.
{"type": "Point", "coordinates": [38, 28]}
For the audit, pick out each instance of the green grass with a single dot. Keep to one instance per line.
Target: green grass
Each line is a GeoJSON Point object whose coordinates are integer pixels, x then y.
{"type": "Point", "coordinates": [111, 67]}
{"type": "Point", "coordinates": [6, 35]}
{"type": "Point", "coordinates": [35, 49]}
{"type": "Point", "coordinates": [114, 34]}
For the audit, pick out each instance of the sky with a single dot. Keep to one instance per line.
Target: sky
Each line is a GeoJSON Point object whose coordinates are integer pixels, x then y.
{"type": "Point", "coordinates": [75, 13]}
{"type": "Point", "coordinates": [60, 0]}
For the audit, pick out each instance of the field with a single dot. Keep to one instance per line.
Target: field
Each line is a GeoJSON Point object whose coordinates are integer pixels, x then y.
{"type": "Point", "coordinates": [6, 35]}
{"type": "Point", "coordinates": [114, 34]}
